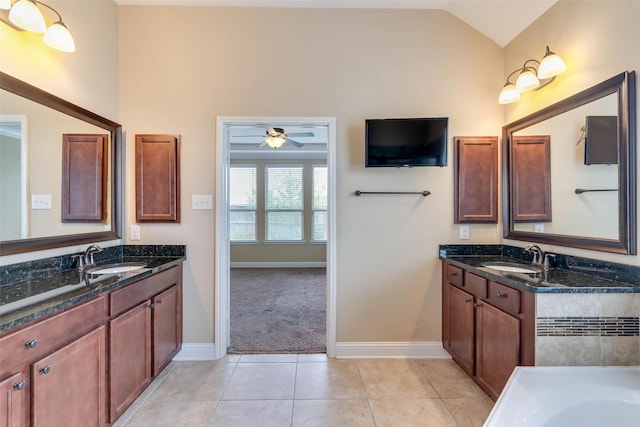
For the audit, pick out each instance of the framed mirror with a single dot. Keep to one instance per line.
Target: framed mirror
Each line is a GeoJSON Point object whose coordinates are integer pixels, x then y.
{"type": "Point", "coordinates": [32, 125]}
{"type": "Point", "coordinates": [590, 185]}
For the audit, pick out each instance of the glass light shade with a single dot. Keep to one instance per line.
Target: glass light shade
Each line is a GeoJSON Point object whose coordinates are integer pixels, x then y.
{"type": "Point", "coordinates": [25, 14]}
{"type": "Point", "coordinates": [551, 66]}
{"type": "Point", "coordinates": [527, 80]}
{"type": "Point", "coordinates": [59, 37]}
{"type": "Point", "coordinates": [274, 141]}
{"type": "Point", "coordinates": [508, 94]}
{"type": "Point", "coordinates": [5, 4]}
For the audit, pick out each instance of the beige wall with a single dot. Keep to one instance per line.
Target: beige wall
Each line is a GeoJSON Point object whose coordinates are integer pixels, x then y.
{"type": "Point", "coordinates": [181, 67]}
{"type": "Point", "coordinates": [597, 40]}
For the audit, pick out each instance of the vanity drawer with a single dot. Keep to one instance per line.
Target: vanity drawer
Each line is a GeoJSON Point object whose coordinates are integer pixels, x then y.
{"type": "Point", "coordinates": [504, 297]}
{"type": "Point", "coordinates": [47, 335]}
{"type": "Point", "coordinates": [475, 285]}
{"type": "Point", "coordinates": [454, 275]}
{"type": "Point", "coordinates": [135, 293]}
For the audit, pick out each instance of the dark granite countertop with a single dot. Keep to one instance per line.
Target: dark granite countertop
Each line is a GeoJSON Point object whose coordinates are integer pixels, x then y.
{"type": "Point", "coordinates": [566, 276]}
{"type": "Point", "coordinates": [43, 294]}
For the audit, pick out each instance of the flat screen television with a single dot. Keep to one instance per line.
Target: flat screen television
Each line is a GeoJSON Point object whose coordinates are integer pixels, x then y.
{"type": "Point", "coordinates": [601, 140]}
{"type": "Point", "coordinates": [406, 142]}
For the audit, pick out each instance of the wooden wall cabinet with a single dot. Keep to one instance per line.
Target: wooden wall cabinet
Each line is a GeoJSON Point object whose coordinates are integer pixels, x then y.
{"type": "Point", "coordinates": [157, 178]}
{"type": "Point", "coordinates": [531, 178]}
{"type": "Point", "coordinates": [84, 177]}
{"type": "Point", "coordinates": [487, 327]}
{"type": "Point", "coordinates": [476, 179]}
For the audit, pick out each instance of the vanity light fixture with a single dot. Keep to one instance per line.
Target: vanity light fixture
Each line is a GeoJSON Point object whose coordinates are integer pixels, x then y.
{"type": "Point", "coordinates": [27, 14]}
{"type": "Point", "coordinates": [530, 77]}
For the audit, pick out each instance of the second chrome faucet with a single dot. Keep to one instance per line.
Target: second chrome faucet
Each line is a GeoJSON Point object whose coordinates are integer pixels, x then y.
{"type": "Point", "coordinates": [86, 260]}
{"type": "Point", "coordinates": [540, 257]}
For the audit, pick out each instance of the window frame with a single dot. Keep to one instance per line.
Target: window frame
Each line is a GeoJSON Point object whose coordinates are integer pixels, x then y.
{"type": "Point", "coordinates": [313, 208]}
{"type": "Point", "coordinates": [254, 210]}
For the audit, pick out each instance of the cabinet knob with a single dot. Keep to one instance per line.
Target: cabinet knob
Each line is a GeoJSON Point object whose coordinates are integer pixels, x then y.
{"type": "Point", "coordinates": [467, 300]}
{"type": "Point", "coordinates": [158, 301]}
{"type": "Point", "coordinates": [500, 295]}
{"type": "Point", "coordinates": [31, 344]}
{"type": "Point", "coordinates": [45, 370]}
{"type": "Point", "coordinates": [20, 386]}
{"type": "Point", "coordinates": [476, 305]}
{"type": "Point", "coordinates": [151, 305]}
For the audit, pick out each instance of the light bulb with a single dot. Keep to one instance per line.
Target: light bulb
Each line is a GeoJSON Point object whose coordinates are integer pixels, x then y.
{"type": "Point", "coordinates": [508, 94]}
{"type": "Point", "coordinates": [551, 65]}
{"type": "Point", "coordinates": [274, 141]}
{"type": "Point", "coordinates": [5, 4]}
{"type": "Point", "coordinates": [59, 37]}
{"type": "Point", "coordinates": [527, 81]}
{"type": "Point", "coordinates": [25, 14]}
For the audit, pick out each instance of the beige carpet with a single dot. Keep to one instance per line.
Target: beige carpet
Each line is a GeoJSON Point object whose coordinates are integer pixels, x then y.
{"type": "Point", "coordinates": [278, 310]}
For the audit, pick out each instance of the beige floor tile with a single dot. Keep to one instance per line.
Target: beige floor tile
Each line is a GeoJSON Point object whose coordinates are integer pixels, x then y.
{"type": "Point", "coordinates": [306, 358]}
{"type": "Point", "coordinates": [334, 379]}
{"type": "Point", "coordinates": [173, 414]}
{"type": "Point", "coordinates": [194, 381]}
{"type": "Point", "coordinates": [449, 380]}
{"type": "Point", "coordinates": [268, 358]}
{"type": "Point", "coordinates": [394, 378]}
{"type": "Point", "coordinates": [469, 412]}
{"type": "Point", "coordinates": [323, 413]}
{"type": "Point", "coordinates": [265, 413]}
{"type": "Point", "coordinates": [252, 381]}
{"type": "Point", "coordinates": [411, 412]}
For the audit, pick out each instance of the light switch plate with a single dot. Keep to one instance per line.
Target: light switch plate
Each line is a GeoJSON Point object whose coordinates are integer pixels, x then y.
{"type": "Point", "coordinates": [464, 232]}
{"type": "Point", "coordinates": [538, 228]}
{"type": "Point", "coordinates": [202, 202]}
{"type": "Point", "coordinates": [134, 232]}
{"type": "Point", "coordinates": [41, 201]}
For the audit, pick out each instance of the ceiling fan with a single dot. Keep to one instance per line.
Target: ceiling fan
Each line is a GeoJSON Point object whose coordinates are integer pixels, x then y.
{"type": "Point", "coordinates": [276, 137]}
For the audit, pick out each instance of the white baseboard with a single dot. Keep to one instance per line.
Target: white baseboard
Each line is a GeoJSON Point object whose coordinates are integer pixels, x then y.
{"type": "Point", "coordinates": [409, 350]}
{"type": "Point", "coordinates": [278, 264]}
{"type": "Point", "coordinates": [196, 351]}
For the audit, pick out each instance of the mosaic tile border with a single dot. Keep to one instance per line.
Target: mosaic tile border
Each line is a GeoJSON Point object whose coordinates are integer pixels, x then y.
{"type": "Point", "coordinates": [587, 326]}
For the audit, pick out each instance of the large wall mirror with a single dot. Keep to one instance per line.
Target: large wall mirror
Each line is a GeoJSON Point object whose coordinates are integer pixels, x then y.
{"type": "Point", "coordinates": [32, 125]}
{"type": "Point", "coordinates": [592, 152]}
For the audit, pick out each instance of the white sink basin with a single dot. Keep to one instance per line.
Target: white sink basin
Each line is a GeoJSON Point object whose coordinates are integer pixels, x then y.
{"type": "Point", "coordinates": [116, 268]}
{"type": "Point", "coordinates": [512, 268]}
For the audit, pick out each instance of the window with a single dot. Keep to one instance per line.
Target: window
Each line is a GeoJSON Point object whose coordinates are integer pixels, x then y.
{"type": "Point", "coordinates": [319, 203]}
{"type": "Point", "coordinates": [284, 202]}
{"type": "Point", "coordinates": [242, 201]}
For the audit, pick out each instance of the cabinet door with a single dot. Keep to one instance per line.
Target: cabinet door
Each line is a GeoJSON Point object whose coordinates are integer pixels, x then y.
{"type": "Point", "coordinates": [69, 386]}
{"type": "Point", "coordinates": [461, 333]}
{"type": "Point", "coordinates": [497, 346]}
{"type": "Point", "coordinates": [130, 357]}
{"type": "Point", "coordinates": [476, 179]}
{"type": "Point", "coordinates": [166, 336]}
{"type": "Point", "coordinates": [531, 178]}
{"type": "Point", "coordinates": [14, 400]}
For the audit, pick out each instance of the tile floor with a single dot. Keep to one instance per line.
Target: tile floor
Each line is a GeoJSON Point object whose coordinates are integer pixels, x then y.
{"type": "Point", "coordinates": [310, 390]}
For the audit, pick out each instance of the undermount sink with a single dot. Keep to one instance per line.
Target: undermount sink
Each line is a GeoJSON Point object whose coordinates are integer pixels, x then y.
{"type": "Point", "coordinates": [116, 268]}
{"type": "Point", "coordinates": [508, 267]}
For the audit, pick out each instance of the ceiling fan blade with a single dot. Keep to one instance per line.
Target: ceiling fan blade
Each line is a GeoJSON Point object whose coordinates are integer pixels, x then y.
{"type": "Point", "coordinates": [294, 143]}
{"type": "Point", "coordinates": [249, 136]}
{"type": "Point", "coordinates": [302, 134]}
{"type": "Point", "coordinates": [263, 144]}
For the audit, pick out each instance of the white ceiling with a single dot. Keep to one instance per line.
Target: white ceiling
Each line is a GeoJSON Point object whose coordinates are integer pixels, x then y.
{"type": "Point", "coordinates": [500, 20]}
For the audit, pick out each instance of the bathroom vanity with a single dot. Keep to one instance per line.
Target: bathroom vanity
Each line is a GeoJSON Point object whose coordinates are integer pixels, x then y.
{"type": "Point", "coordinates": [493, 320]}
{"type": "Point", "coordinates": [82, 357]}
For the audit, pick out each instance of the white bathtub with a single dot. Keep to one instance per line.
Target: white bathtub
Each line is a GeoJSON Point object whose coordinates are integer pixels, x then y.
{"type": "Point", "coordinates": [589, 396]}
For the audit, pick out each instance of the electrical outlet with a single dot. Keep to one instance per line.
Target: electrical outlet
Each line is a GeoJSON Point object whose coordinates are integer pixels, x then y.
{"type": "Point", "coordinates": [202, 202]}
{"type": "Point", "coordinates": [464, 232]}
{"type": "Point", "coordinates": [134, 232]}
{"type": "Point", "coordinates": [538, 228]}
{"type": "Point", "coordinates": [41, 201]}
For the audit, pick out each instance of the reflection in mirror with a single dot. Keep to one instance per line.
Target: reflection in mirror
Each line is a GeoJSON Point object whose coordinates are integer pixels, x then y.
{"type": "Point", "coordinates": [593, 188]}
{"type": "Point", "coordinates": [34, 217]}
{"type": "Point", "coordinates": [588, 214]}
{"type": "Point", "coordinates": [14, 222]}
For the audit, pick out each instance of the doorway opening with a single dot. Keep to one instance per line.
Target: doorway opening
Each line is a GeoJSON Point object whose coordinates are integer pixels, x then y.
{"type": "Point", "coordinates": [255, 212]}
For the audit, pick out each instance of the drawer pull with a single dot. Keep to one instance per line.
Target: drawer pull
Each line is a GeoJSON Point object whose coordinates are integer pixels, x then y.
{"type": "Point", "coordinates": [31, 344]}
{"type": "Point", "coordinates": [453, 274]}
{"type": "Point", "coordinates": [501, 295]}
{"type": "Point", "coordinates": [45, 370]}
{"type": "Point", "coordinates": [20, 386]}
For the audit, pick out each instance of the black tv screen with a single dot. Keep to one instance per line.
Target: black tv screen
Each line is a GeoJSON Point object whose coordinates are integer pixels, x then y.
{"type": "Point", "coordinates": [406, 142]}
{"type": "Point", "coordinates": [601, 140]}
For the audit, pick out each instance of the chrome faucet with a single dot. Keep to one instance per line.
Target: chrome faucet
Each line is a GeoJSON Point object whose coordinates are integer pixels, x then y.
{"type": "Point", "coordinates": [538, 254]}
{"type": "Point", "coordinates": [88, 254]}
